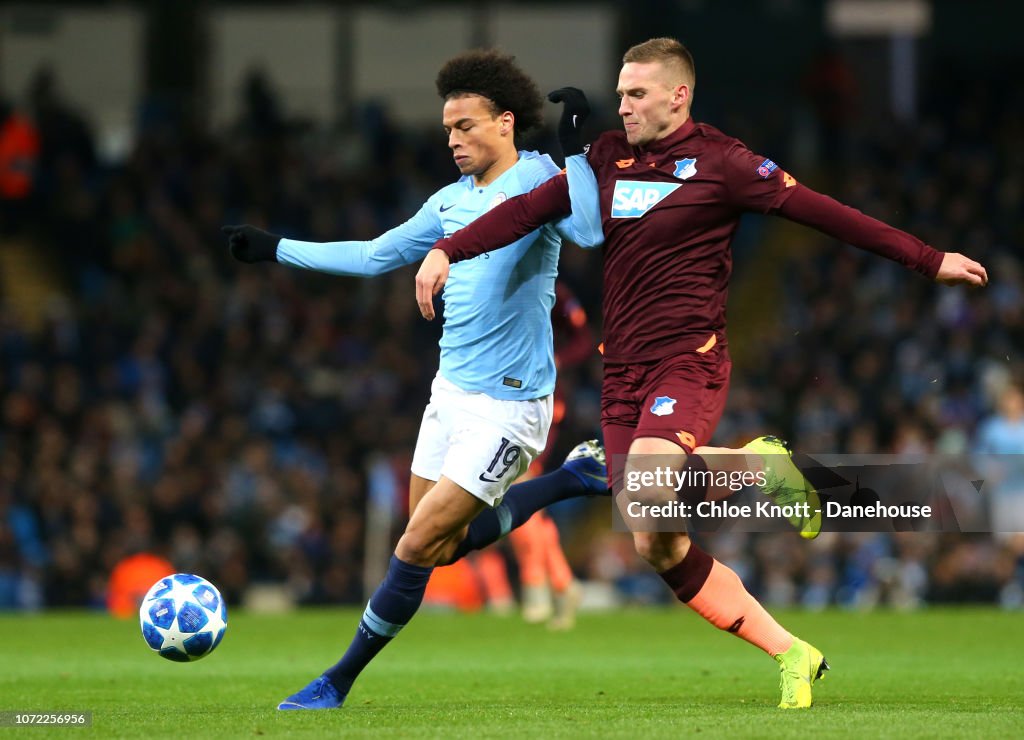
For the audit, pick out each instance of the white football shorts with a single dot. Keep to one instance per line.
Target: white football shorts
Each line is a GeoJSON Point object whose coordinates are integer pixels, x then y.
{"type": "Point", "coordinates": [480, 443]}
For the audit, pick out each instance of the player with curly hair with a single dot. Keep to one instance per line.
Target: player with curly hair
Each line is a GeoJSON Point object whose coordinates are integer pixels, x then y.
{"type": "Point", "coordinates": [491, 402]}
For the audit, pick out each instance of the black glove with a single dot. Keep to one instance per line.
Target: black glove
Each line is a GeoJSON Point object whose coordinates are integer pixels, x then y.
{"type": "Point", "coordinates": [249, 244]}
{"type": "Point", "coordinates": [574, 114]}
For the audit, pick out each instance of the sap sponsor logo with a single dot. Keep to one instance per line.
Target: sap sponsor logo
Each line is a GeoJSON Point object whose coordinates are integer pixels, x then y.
{"type": "Point", "coordinates": [685, 168]}
{"type": "Point", "coordinates": [767, 167]}
{"type": "Point", "coordinates": [632, 199]}
{"type": "Point", "coordinates": [663, 406]}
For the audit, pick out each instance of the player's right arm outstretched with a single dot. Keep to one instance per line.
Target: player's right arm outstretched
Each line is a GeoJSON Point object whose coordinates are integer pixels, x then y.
{"type": "Point", "coordinates": [400, 246]}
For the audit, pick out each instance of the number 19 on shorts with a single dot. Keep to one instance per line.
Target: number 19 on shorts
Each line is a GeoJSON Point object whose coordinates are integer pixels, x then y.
{"type": "Point", "coordinates": [507, 455]}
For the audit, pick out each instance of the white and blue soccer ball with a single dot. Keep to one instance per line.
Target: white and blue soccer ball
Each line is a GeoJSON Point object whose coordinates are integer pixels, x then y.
{"type": "Point", "coordinates": [183, 617]}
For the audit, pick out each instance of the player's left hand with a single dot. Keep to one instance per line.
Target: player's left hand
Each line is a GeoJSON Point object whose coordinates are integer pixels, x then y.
{"type": "Point", "coordinates": [959, 270]}
{"type": "Point", "coordinates": [430, 279]}
{"type": "Point", "coordinates": [575, 111]}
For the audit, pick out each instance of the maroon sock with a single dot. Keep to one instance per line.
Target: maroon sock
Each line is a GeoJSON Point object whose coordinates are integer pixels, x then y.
{"type": "Point", "coordinates": [688, 576]}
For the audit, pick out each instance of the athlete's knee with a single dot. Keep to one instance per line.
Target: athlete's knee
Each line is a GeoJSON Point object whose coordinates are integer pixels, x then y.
{"type": "Point", "coordinates": [650, 470]}
{"type": "Point", "coordinates": [414, 549]}
{"type": "Point", "coordinates": [661, 549]}
{"type": "Point", "coordinates": [429, 543]}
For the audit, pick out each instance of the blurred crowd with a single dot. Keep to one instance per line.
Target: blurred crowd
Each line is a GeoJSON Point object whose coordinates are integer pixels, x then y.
{"type": "Point", "coordinates": [235, 419]}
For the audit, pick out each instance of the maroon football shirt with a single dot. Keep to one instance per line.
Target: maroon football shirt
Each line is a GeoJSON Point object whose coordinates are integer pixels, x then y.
{"type": "Point", "coordinates": [669, 211]}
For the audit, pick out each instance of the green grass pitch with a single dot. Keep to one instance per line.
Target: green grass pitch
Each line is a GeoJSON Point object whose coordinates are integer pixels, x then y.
{"type": "Point", "coordinates": [633, 673]}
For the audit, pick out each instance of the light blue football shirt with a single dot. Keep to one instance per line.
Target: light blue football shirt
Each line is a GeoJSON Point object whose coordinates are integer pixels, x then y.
{"type": "Point", "coordinates": [585, 200]}
{"type": "Point", "coordinates": [497, 307]}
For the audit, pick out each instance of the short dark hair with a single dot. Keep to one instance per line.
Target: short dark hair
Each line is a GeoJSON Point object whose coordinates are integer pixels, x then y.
{"type": "Point", "coordinates": [667, 51]}
{"type": "Point", "coordinates": [497, 77]}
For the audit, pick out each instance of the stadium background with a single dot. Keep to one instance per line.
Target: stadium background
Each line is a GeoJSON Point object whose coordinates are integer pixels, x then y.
{"type": "Point", "coordinates": [248, 422]}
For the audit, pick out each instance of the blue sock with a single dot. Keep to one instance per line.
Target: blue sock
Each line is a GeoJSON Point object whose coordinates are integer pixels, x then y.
{"type": "Point", "coordinates": [521, 502]}
{"type": "Point", "coordinates": [391, 607]}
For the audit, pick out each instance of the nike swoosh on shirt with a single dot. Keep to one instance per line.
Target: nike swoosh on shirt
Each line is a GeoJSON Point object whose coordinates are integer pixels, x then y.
{"type": "Point", "coordinates": [446, 208]}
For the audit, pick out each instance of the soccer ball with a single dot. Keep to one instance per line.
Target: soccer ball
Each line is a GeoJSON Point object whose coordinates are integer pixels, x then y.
{"type": "Point", "coordinates": [183, 617]}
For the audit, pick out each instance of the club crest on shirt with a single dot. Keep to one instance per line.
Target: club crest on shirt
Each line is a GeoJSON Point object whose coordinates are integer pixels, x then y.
{"type": "Point", "coordinates": [685, 168]}
{"type": "Point", "coordinates": [634, 198]}
{"type": "Point", "coordinates": [497, 200]}
{"type": "Point", "coordinates": [663, 406]}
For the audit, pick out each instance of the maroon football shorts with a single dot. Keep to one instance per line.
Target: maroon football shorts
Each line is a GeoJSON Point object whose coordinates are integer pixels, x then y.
{"type": "Point", "coordinates": [679, 398]}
